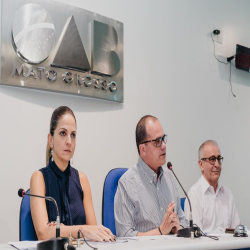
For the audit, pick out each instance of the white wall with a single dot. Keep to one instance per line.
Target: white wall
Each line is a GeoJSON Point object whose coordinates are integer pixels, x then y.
{"type": "Point", "coordinates": [170, 72]}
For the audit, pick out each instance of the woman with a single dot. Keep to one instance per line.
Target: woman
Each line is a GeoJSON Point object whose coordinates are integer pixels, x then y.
{"type": "Point", "coordinates": [66, 185]}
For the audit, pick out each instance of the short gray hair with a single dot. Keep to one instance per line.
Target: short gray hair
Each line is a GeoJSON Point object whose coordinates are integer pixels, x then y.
{"type": "Point", "coordinates": [201, 148]}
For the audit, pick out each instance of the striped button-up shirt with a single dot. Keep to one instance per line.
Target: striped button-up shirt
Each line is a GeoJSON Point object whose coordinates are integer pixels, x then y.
{"type": "Point", "coordinates": [141, 201]}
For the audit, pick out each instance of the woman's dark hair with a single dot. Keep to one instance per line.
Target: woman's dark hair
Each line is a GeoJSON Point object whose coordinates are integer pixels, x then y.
{"type": "Point", "coordinates": [56, 116]}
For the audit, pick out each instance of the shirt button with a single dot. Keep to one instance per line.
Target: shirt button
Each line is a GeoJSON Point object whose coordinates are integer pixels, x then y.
{"type": "Point", "coordinates": [151, 182]}
{"type": "Point", "coordinates": [158, 189]}
{"type": "Point", "coordinates": [154, 174]}
{"type": "Point", "coordinates": [161, 208]}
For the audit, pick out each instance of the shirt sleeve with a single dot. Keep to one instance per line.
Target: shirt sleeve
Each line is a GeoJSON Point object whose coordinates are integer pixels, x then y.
{"type": "Point", "coordinates": [235, 221]}
{"type": "Point", "coordinates": [182, 218]}
{"type": "Point", "coordinates": [196, 209]}
{"type": "Point", "coordinates": [180, 213]}
{"type": "Point", "coordinates": [124, 213]}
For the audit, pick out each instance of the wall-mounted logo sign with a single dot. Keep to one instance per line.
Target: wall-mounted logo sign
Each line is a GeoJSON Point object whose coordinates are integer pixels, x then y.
{"type": "Point", "coordinates": [51, 46]}
{"type": "Point", "coordinates": [33, 33]}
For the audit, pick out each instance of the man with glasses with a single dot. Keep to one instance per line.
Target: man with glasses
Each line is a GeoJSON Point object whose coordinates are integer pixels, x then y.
{"type": "Point", "coordinates": [213, 206]}
{"type": "Point", "coordinates": [147, 201]}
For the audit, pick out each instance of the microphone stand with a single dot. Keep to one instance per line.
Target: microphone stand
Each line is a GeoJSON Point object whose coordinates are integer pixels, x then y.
{"type": "Point", "coordinates": [191, 216]}
{"type": "Point", "coordinates": [188, 231]}
{"type": "Point", "coordinates": [57, 243]}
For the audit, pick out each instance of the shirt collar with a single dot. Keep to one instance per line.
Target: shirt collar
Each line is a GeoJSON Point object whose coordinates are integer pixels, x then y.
{"type": "Point", "coordinates": [220, 187]}
{"type": "Point", "coordinates": [149, 173]}
{"type": "Point", "coordinates": [206, 186]}
{"type": "Point", "coordinates": [58, 172]}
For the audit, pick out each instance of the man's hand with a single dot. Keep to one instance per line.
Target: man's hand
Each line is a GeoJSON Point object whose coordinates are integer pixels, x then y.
{"type": "Point", "coordinates": [169, 220]}
{"type": "Point", "coordinates": [176, 224]}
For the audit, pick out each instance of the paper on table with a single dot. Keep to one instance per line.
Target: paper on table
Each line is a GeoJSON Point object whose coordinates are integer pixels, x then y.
{"type": "Point", "coordinates": [143, 238]}
{"type": "Point", "coordinates": [22, 245]}
{"type": "Point", "coordinates": [218, 234]}
{"type": "Point", "coordinates": [118, 240]}
{"type": "Point", "coordinates": [139, 238]}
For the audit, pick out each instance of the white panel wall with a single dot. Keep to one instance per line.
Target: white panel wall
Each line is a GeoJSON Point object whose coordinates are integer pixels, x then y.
{"type": "Point", "coordinates": [170, 72]}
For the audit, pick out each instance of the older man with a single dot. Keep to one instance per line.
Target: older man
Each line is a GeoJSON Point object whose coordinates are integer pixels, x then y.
{"type": "Point", "coordinates": [212, 203]}
{"type": "Point", "coordinates": [147, 200]}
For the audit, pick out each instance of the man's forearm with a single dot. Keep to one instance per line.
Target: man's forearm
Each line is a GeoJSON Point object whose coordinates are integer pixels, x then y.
{"type": "Point", "coordinates": [149, 233]}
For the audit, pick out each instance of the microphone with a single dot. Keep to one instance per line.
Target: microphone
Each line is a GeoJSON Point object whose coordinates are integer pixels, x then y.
{"type": "Point", "coordinates": [170, 167]}
{"type": "Point", "coordinates": [57, 243]}
{"type": "Point", "coordinates": [191, 231]}
{"type": "Point", "coordinates": [22, 193]}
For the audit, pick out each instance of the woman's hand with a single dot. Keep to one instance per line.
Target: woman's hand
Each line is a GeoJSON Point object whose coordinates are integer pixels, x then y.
{"type": "Point", "coordinates": [97, 233]}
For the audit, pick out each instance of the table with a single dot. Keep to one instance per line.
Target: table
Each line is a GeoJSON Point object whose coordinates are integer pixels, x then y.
{"type": "Point", "coordinates": [203, 243]}
{"type": "Point", "coordinates": [225, 242]}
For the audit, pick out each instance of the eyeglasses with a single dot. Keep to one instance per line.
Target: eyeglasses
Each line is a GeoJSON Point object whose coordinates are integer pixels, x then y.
{"type": "Point", "coordinates": [158, 141]}
{"type": "Point", "coordinates": [212, 159]}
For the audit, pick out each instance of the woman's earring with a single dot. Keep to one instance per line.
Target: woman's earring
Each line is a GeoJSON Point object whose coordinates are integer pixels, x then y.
{"type": "Point", "coordinates": [51, 154]}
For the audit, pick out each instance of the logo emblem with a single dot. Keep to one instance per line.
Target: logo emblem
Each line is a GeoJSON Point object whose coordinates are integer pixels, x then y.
{"type": "Point", "coordinates": [70, 53]}
{"type": "Point", "coordinates": [105, 60]}
{"type": "Point", "coordinates": [33, 33]}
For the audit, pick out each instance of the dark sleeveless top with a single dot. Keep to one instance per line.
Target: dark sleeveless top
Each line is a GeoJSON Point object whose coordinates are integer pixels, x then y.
{"type": "Point", "coordinates": [65, 188]}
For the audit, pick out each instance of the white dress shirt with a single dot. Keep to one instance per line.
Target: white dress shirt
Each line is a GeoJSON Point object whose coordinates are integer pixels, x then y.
{"type": "Point", "coordinates": [212, 211]}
